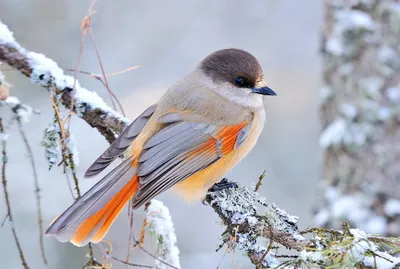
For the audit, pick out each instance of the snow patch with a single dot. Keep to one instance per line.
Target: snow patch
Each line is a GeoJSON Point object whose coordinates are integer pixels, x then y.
{"type": "Point", "coordinates": [333, 134]}
{"type": "Point", "coordinates": [160, 225]}
{"type": "Point", "coordinates": [392, 208]}
{"type": "Point", "coordinates": [6, 36]}
{"type": "Point", "coordinates": [393, 94]}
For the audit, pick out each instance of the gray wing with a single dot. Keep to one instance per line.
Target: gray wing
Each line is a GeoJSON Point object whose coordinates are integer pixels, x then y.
{"type": "Point", "coordinates": [175, 153]}
{"type": "Point", "coordinates": [120, 144]}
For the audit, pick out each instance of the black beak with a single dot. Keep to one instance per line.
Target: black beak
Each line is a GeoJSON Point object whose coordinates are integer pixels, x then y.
{"type": "Point", "coordinates": [264, 91]}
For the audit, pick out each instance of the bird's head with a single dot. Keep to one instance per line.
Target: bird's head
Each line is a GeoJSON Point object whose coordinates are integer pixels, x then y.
{"type": "Point", "coordinates": [236, 75]}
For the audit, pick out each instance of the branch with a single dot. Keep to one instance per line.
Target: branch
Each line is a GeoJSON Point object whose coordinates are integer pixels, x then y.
{"type": "Point", "coordinates": [237, 208]}
{"type": "Point", "coordinates": [252, 224]}
{"type": "Point", "coordinates": [45, 72]}
{"type": "Point", "coordinates": [4, 158]}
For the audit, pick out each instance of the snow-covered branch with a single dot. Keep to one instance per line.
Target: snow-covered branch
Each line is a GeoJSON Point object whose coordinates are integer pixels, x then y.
{"type": "Point", "coordinates": [160, 226]}
{"type": "Point", "coordinates": [45, 72]}
{"type": "Point", "coordinates": [260, 230]}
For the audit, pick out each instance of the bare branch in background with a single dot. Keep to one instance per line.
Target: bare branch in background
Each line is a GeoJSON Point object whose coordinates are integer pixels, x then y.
{"type": "Point", "coordinates": [45, 72]}
{"type": "Point", "coordinates": [3, 140]}
{"type": "Point", "coordinates": [86, 27]}
{"type": "Point", "coordinates": [37, 190]}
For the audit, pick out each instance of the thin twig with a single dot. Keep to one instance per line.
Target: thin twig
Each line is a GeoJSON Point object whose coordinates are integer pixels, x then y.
{"type": "Point", "coordinates": [107, 254]}
{"type": "Point", "coordinates": [137, 243]}
{"type": "Point", "coordinates": [99, 78]}
{"type": "Point", "coordinates": [6, 197]}
{"type": "Point", "coordinates": [62, 140]}
{"type": "Point", "coordinates": [69, 184]}
{"type": "Point", "coordinates": [130, 216]}
{"type": "Point", "coordinates": [37, 190]}
{"type": "Point", "coordinates": [105, 77]}
{"type": "Point", "coordinates": [123, 71]}
{"type": "Point", "coordinates": [68, 159]}
{"type": "Point", "coordinates": [60, 123]}
{"type": "Point", "coordinates": [76, 70]}
{"type": "Point", "coordinates": [4, 220]}
{"type": "Point", "coordinates": [260, 179]}
{"type": "Point", "coordinates": [265, 253]}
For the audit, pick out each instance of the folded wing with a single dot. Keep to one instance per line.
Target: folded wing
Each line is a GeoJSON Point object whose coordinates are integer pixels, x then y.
{"type": "Point", "coordinates": [120, 144]}
{"type": "Point", "coordinates": [181, 149]}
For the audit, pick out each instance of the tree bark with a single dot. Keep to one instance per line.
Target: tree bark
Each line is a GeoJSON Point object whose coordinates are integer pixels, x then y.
{"type": "Point", "coordinates": [360, 114]}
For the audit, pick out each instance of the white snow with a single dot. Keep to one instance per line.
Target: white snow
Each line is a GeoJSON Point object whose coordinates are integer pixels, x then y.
{"type": "Point", "coordinates": [322, 217]}
{"type": "Point", "coordinates": [46, 72]}
{"type": "Point", "coordinates": [375, 225]}
{"type": "Point", "coordinates": [359, 250]}
{"type": "Point", "coordinates": [159, 224]}
{"type": "Point", "coordinates": [12, 101]}
{"type": "Point", "coordinates": [351, 207]}
{"type": "Point", "coordinates": [348, 110]}
{"type": "Point", "coordinates": [387, 262]}
{"type": "Point", "coordinates": [353, 19]}
{"type": "Point", "coordinates": [331, 194]}
{"type": "Point", "coordinates": [334, 46]}
{"type": "Point", "coordinates": [22, 111]}
{"type": "Point", "coordinates": [333, 134]}
{"type": "Point", "coordinates": [395, 8]}
{"type": "Point", "coordinates": [392, 208]}
{"type": "Point", "coordinates": [347, 20]}
{"type": "Point", "coordinates": [324, 94]}
{"type": "Point", "coordinates": [4, 137]}
{"type": "Point", "coordinates": [393, 94]}
{"type": "Point", "coordinates": [312, 256]}
{"type": "Point", "coordinates": [358, 234]}
{"type": "Point", "coordinates": [346, 69]}
{"type": "Point", "coordinates": [372, 85]}
{"type": "Point", "coordinates": [269, 261]}
{"type": "Point", "coordinates": [386, 54]}
{"type": "Point", "coordinates": [6, 36]}
{"type": "Point", "coordinates": [384, 113]}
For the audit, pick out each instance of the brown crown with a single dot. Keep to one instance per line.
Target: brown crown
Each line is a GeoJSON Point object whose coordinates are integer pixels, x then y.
{"type": "Point", "coordinates": [228, 64]}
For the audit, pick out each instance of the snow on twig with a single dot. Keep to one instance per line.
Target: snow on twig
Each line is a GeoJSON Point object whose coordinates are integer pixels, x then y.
{"type": "Point", "coordinates": [45, 72]}
{"type": "Point", "coordinates": [160, 226]}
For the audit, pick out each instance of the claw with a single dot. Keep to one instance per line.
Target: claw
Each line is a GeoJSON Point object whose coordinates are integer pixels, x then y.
{"type": "Point", "coordinates": [222, 185]}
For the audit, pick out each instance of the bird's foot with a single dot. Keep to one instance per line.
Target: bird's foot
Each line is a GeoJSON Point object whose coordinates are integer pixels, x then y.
{"type": "Point", "coordinates": [222, 185]}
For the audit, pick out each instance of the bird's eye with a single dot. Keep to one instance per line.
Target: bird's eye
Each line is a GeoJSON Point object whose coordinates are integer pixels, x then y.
{"type": "Point", "coordinates": [240, 81]}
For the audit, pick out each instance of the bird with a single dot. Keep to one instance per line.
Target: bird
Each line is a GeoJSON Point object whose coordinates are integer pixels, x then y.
{"type": "Point", "coordinates": [201, 127]}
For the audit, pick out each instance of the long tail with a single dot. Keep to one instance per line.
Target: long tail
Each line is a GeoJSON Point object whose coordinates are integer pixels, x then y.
{"type": "Point", "coordinates": [90, 217]}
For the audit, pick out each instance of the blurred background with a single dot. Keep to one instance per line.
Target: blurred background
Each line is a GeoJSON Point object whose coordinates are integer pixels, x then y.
{"type": "Point", "coordinates": [167, 39]}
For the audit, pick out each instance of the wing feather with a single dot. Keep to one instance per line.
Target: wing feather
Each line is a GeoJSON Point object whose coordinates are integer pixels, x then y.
{"type": "Point", "coordinates": [120, 144]}
{"type": "Point", "coordinates": [179, 150]}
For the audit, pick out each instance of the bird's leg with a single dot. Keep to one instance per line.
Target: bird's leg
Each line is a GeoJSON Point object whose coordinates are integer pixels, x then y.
{"type": "Point", "coordinates": [219, 186]}
{"type": "Point", "coordinates": [222, 185]}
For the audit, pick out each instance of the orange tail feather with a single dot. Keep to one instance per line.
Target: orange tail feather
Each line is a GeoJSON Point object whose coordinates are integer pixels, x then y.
{"type": "Point", "coordinates": [97, 225]}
